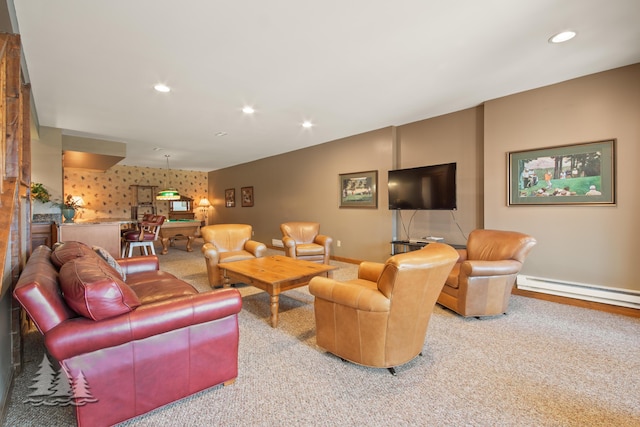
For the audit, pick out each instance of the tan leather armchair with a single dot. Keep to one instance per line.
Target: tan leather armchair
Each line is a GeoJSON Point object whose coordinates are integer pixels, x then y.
{"type": "Point", "coordinates": [481, 281]}
{"type": "Point", "coordinates": [228, 243]}
{"type": "Point", "coordinates": [380, 319]}
{"type": "Point", "coordinates": [302, 240]}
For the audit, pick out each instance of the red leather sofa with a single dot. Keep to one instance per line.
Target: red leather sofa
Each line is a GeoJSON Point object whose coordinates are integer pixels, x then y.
{"type": "Point", "coordinates": [140, 337]}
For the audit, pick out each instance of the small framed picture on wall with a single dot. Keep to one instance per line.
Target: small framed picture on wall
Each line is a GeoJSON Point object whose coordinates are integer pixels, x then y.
{"type": "Point", "coordinates": [230, 197]}
{"type": "Point", "coordinates": [246, 193]}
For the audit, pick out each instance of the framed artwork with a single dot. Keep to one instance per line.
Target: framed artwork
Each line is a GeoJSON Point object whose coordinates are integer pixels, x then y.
{"type": "Point", "coordinates": [577, 174]}
{"type": "Point", "coordinates": [230, 197]}
{"type": "Point", "coordinates": [247, 196]}
{"type": "Point", "coordinates": [359, 189]}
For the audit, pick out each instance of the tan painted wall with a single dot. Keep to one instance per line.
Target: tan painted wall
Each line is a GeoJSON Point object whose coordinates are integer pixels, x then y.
{"type": "Point", "coordinates": [46, 166]}
{"type": "Point", "coordinates": [450, 138]}
{"type": "Point", "coordinates": [303, 186]}
{"type": "Point", "coordinates": [584, 244]}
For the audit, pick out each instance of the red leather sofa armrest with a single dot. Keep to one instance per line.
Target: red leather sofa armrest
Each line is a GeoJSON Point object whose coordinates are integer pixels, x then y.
{"type": "Point", "coordinates": [139, 264]}
{"type": "Point", "coordinates": [82, 335]}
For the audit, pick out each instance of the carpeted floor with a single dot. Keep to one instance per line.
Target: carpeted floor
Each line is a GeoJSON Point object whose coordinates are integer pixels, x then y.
{"type": "Point", "coordinates": [543, 364]}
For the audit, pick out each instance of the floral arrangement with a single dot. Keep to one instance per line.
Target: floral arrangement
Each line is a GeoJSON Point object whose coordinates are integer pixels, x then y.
{"type": "Point", "coordinates": [70, 202]}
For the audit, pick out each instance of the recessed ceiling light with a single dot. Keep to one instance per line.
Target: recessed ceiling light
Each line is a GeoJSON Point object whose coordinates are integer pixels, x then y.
{"type": "Point", "coordinates": [248, 110]}
{"type": "Point", "coordinates": [562, 37]}
{"type": "Point", "coordinates": [307, 124]}
{"type": "Point", "coordinates": [162, 88]}
{"type": "Point", "coordinates": [221, 133]}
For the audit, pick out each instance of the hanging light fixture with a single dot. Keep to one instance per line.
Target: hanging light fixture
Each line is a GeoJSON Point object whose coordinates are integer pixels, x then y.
{"type": "Point", "coordinates": [169, 193]}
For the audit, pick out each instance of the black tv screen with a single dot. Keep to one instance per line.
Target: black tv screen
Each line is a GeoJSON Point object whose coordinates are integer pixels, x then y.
{"type": "Point", "coordinates": [423, 188]}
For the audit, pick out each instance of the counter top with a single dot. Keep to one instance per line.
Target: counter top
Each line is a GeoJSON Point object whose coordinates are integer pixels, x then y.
{"type": "Point", "coordinates": [101, 221]}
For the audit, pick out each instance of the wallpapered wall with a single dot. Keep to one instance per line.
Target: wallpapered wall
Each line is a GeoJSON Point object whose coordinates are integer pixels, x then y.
{"type": "Point", "coordinates": [108, 195]}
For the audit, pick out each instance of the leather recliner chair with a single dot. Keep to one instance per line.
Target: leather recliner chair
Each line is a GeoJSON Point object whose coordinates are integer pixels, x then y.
{"type": "Point", "coordinates": [380, 319]}
{"type": "Point", "coordinates": [302, 240]}
{"type": "Point", "coordinates": [481, 281]}
{"type": "Point", "coordinates": [228, 243]}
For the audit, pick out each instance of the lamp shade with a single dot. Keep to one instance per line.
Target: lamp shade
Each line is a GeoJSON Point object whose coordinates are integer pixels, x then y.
{"type": "Point", "coordinates": [168, 194]}
{"type": "Point", "coordinates": [204, 203]}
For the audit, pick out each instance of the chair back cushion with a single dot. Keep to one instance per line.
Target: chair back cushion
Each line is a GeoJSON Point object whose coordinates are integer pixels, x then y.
{"type": "Point", "coordinates": [412, 281]}
{"type": "Point", "coordinates": [67, 251]}
{"type": "Point", "coordinates": [494, 245]}
{"type": "Point", "coordinates": [301, 232]}
{"type": "Point", "coordinates": [93, 289]}
{"type": "Point", "coordinates": [227, 237]}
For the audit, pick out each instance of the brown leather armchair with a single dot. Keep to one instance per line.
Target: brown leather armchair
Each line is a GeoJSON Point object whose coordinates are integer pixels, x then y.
{"type": "Point", "coordinates": [228, 243]}
{"type": "Point", "coordinates": [481, 281]}
{"type": "Point", "coordinates": [380, 319]}
{"type": "Point", "coordinates": [302, 240]}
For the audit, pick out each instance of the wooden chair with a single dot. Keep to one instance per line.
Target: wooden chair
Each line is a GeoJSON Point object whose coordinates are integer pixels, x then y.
{"type": "Point", "coordinates": [144, 237]}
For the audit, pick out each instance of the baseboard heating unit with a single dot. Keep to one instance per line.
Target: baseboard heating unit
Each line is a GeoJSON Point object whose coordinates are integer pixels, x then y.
{"type": "Point", "coordinates": [602, 294]}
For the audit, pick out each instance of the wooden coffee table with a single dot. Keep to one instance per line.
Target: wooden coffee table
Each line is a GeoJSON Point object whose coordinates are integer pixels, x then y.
{"type": "Point", "coordinates": [273, 274]}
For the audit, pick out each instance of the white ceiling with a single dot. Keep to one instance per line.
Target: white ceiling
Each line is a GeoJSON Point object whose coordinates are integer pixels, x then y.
{"type": "Point", "coordinates": [350, 66]}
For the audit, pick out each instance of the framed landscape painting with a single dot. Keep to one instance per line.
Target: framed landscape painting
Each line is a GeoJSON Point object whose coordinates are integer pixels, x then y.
{"type": "Point", "coordinates": [359, 190]}
{"type": "Point", "coordinates": [577, 174]}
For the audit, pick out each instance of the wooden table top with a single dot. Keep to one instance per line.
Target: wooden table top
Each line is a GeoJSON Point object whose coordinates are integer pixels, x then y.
{"type": "Point", "coordinates": [277, 268]}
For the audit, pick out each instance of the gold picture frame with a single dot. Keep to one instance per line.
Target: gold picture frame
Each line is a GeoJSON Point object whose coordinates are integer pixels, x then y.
{"type": "Point", "coordinates": [359, 189]}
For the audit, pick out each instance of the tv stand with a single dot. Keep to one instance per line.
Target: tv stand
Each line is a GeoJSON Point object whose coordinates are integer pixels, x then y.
{"type": "Point", "coordinates": [403, 246]}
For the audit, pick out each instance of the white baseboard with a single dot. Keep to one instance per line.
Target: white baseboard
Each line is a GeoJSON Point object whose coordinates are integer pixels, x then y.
{"type": "Point", "coordinates": [602, 294]}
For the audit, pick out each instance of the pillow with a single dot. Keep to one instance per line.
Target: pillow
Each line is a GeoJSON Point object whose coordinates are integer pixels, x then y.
{"type": "Point", "coordinates": [92, 289]}
{"type": "Point", "coordinates": [68, 251]}
{"type": "Point", "coordinates": [105, 255]}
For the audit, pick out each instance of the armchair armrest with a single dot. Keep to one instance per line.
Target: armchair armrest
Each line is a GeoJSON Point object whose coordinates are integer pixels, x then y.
{"type": "Point", "coordinates": [370, 271]}
{"type": "Point", "coordinates": [323, 240]}
{"type": "Point", "coordinates": [288, 242]}
{"type": "Point", "coordinates": [256, 248]}
{"type": "Point", "coordinates": [82, 335]}
{"type": "Point", "coordinates": [349, 294]}
{"type": "Point", "coordinates": [139, 264]}
{"type": "Point", "coordinates": [462, 255]}
{"type": "Point", "coordinates": [211, 253]}
{"type": "Point", "coordinates": [490, 268]}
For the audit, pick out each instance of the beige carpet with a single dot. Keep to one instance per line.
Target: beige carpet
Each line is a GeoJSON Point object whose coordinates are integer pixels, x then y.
{"type": "Point", "coordinates": [543, 364]}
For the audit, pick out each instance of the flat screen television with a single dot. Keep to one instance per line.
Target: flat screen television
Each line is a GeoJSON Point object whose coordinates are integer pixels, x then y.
{"type": "Point", "coordinates": [423, 188]}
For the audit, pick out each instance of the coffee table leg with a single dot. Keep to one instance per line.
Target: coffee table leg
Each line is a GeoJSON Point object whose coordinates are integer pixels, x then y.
{"type": "Point", "coordinates": [275, 303]}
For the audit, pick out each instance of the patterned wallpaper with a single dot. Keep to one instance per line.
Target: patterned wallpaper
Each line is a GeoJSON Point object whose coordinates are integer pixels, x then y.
{"type": "Point", "coordinates": [107, 194]}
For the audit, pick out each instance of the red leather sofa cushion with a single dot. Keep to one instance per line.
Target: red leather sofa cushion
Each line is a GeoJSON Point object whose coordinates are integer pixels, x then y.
{"type": "Point", "coordinates": [93, 289]}
{"type": "Point", "coordinates": [70, 250]}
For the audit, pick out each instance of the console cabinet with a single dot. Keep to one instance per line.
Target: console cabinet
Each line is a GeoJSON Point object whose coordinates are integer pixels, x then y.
{"type": "Point", "coordinates": [41, 234]}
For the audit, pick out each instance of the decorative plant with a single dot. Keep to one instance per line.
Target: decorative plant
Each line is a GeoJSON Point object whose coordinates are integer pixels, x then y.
{"type": "Point", "coordinates": [39, 192]}
{"type": "Point", "coordinates": [70, 202]}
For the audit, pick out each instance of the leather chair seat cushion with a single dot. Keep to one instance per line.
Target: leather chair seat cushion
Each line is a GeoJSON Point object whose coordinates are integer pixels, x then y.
{"type": "Point", "coordinates": [93, 289]}
{"type": "Point", "coordinates": [452, 280]}
{"type": "Point", "coordinates": [232, 256]}
{"type": "Point", "coordinates": [154, 286]}
{"type": "Point", "coordinates": [134, 236]}
{"type": "Point", "coordinates": [68, 251]}
{"type": "Point", "coordinates": [306, 249]}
